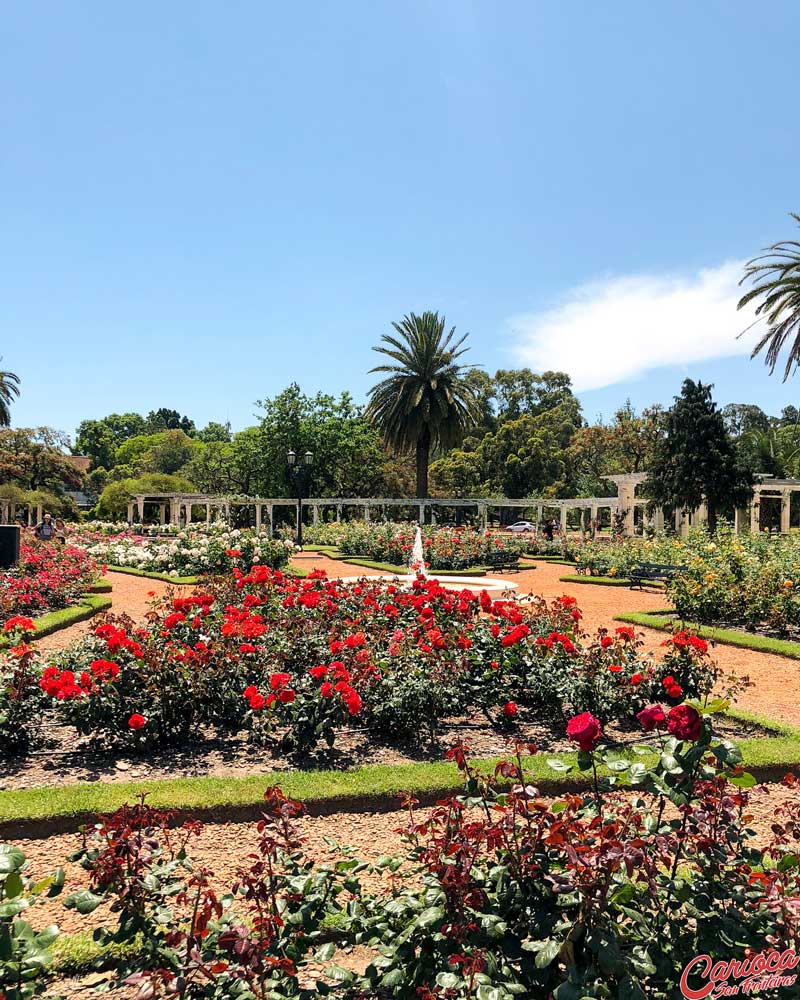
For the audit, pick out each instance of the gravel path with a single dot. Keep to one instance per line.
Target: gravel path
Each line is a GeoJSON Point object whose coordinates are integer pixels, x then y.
{"type": "Point", "coordinates": [130, 595]}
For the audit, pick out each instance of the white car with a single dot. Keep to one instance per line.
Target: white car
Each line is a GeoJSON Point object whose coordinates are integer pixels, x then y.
{"type": "Point", "coordinates": [521, 526]}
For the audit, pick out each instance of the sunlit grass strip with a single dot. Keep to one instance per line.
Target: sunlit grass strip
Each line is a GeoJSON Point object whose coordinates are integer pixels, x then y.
{"type": "Point", "coordinates": [666, 621]}
{"type": "Point", "coordinates": [153, 575]}
{"type": "Point", "coordinates": [332, 552]}
{"type": "Point", "coordinates": [360, 789]}
{"type": "Point", "coordinates": [89, 606]}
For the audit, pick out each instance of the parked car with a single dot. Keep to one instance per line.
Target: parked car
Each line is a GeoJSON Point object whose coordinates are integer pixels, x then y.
{"type": "Point", "coordinates": [521, 526]}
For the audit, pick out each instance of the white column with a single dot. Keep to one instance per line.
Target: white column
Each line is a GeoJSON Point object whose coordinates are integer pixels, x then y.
{"type": "Point", "coordinates": [270, 520]}
{"type": "Point", "coordinates": [786, 510]}
{"type": "Point", "coordinates": [130, 512]}
{"type": "Point", "coordinates": [208, 513]}
{"type": "Point", "coordinates": [422, 513]}
{"type": "Point", "coordinates": [338, 513]}
{"type": "Point", "coordinates": [140, 509]}
{"type": "Point", "coordinates": [563, 517]}
{"type": "Point", "coordinates": [483, 510]}
{"type": "Point", "coordinates": [755, 511]}
{"type": "Point", "coordinates": [162, 513]}
{"type": "Point", "coordinates": [658, 519]}
{"type": "Point", "coordinates": [315, 513]}
{"type": "Point", "coordinates": [258, 517]}
{"type": "Point", "coordinates": [366, 513]}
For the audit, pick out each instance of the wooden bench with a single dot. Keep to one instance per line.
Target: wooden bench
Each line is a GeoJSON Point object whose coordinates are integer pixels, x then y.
{"type": "Point", "coordinates": [499, 561]}
{"type": "Point", "coordinates": [653, 573]}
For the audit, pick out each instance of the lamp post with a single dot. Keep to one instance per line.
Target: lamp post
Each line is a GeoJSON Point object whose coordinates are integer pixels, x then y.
{"type": "Point", "coordinates": [300, 475]}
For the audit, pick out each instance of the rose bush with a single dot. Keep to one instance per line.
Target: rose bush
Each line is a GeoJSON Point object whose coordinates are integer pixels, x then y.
{"type": "Point", "coordinates": [497, 892]}
{"type": "Point", "coordinates": [48, 576]}
{"type": "Point", "coordinates": [391, 542]}
{"type": "Point", "coordinates": [295, 660]}
{"type": "Point", "coordinates": [191, 551]}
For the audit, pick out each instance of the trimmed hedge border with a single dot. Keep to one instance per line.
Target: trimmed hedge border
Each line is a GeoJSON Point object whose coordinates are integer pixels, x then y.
{"type": "Point", "coordinates": [187, 580]}
{"type": "Point", "coordinates": [667, 620]}
{"type": "Point", "coordinates": [89, 606]}
{"type": "Point", "coordinates": [334, 553]}
{"type": "Point", "coordinates": [45, 812]}
{"type": "Point", "coordinates": [605, 581]}
{"type": "Point", "coordinates": [556, 560]}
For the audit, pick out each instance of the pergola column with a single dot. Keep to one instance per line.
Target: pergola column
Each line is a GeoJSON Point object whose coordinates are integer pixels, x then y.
{"type": "Point", "coordinates": [338, 513]}
{"type": "Point", "coordinates": [786, 511]}
{"type": "Point", "coordinates": [258, 517]}
{"type": "Point", "coordinates": [422, 513]}
{"type": "Point", "coordinates": [208, 513]}
{"type": "Point", "coordinates": [563, 518]}
{"type": "Point", "coordinates": [140, 508]}
{"type": "Point", "coordinates": [483, 513]}
{"type": "Point", "coordinates": [315, 513]}
{"type": "Point", "coordinates": [539, 513]}
{"type": "Point", "coordinates": [366, 513]}
{"type": "Point", "coordinates": [162, 513]}
{"type": "Point", "coordinates": [755, 511]}
{"type": "Point", "coordinates": [658, 519]}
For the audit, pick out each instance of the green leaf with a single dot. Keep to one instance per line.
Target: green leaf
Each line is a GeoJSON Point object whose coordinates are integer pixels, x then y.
{"type": "Point", "coordinates": [13, 885]}
{"type": "Point", "coordinates": [11, 859]}
{"type": "Point", "coordinates": [745, 780]}
{"type": "Point", "coordinates": [83, 901]}
{"type": "Point", "coordinates": [339, 974]}
{"type": "Point", "coordinates": [432, 915]}
{"type": "Point", "coordinates": [558, 765]}
{"type": "Point", "coordinates": [326, 952]}
{"type": "Point", "coordinates": [547, 953]}
{"type": "Point", "coordinates": [447, 980]}
{"type": "Point", "coordinates": [788, 861]}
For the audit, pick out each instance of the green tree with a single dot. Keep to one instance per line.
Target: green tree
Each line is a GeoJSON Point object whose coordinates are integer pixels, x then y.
{"type": "Point", "coordinates": [425, 404]}
{"type": "Point", "coordinates": [696, 461]}
{"type": "Point", "coordinates": [34, 458]}
{"type": "Point", "coordinates": [775, 277]}
{"type": "Point", "coordinates": [164, 419]}
{"type": "Point", "coordinates": [9, 390]}
{"type": "Point", "coordinates": [114, 500]}
{"type": "Point", "coordinates": [741, 418]}
{"type": "Point", "coordinates": [214, 432]}
{"type": "Point", "coordinates": [95, 439]}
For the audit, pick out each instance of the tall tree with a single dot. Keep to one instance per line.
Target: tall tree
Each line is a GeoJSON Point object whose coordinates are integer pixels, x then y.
{"type": "Point", "coordinates": [9, 390]}
{"type": "Point", "coordinates": [425, 403]}
{"type": "Point", "coordinates": [696, 461]}
{"type": "Point", "coordinates": [775, 275]}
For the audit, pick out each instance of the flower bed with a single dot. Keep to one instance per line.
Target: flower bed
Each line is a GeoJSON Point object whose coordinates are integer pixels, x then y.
{"type": "Point", "coordinates": [192, 551]}
{"type": "Point", "coordinates": [49, 576]}
{"type": "Point", "coordinates": [747, 580]}
{"type": "Point", "coordinates": [497, 891]}
{"type": "Point", "coordinates": [296, 661]}
{"type": "Point", "coordinates": [392, 543]}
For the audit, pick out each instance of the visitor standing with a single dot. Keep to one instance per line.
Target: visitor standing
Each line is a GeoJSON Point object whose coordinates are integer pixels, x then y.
{"type": "Point", "coordinates": [45, 529]}
{"type": "Point", "coordinates": [61, 531]}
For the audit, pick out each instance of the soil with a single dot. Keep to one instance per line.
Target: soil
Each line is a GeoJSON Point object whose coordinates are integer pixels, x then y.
{"type": "Point", "coordinates": [66, 760]}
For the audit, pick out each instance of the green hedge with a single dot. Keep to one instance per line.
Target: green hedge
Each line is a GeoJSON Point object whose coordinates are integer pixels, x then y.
{"type": "Point", "coordinates": [153, 575]}
{"type": "Point", "coordinates": [89, 606]}
{"type": "Point", "coordinates": [667, 621]}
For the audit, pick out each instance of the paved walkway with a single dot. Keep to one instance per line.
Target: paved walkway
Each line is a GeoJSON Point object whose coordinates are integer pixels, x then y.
{"type": "Point", "coordinates": [130, 595]}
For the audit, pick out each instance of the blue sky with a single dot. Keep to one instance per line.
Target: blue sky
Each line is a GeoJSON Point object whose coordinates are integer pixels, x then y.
{"type": "Point", "coordinates": [202, 203]}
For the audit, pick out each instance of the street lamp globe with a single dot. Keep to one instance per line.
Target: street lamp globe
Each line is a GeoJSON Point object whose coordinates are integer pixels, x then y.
{"type": "Point", "coordinates": [291, 457]}
{"type": "Point", "coordinates": [308, 458]}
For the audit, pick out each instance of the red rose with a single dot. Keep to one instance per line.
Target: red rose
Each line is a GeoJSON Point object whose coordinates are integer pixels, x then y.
{"type": "Point", "coordinates": [136, 721]}
{"type": "Point", "coordinates": [606, 641]}
{"type": "Point", "coordinates": [510, 709]}
{"type": "Point", "coordinates": [256, 701]}
{"type": "Point", "coordinates": [684, 722]}
{"type": "Point", "coordinates": [326, 690]}
{"type": "Point", "coordinates": [615, 668]}
{"type": "Point", "coordinates": [652, 718]}
{"type": "Point", "coordinates": [584, 729]}
{"type": "Point", "coordinates": [286, 696]}
{"type": "Point", "coordinates": [636, 679]}
{"type": "Point", "coordinates": [675, 691]}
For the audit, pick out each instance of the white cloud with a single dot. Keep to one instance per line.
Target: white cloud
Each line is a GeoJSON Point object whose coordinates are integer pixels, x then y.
{"type": "Point", "coordinates": [610, 331]}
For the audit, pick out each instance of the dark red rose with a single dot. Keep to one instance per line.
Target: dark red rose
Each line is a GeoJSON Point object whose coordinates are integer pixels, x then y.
{"type": "Point", "coordinates": [136, 721]}
{"type": "Point", "coordinates": [510, 709]}
{"type": "Point", "coordinates": [652, 718]}
{"type": "Point", "coordinates": [684, 722]}
{"type": "Point", "coordinates": [584, 729]}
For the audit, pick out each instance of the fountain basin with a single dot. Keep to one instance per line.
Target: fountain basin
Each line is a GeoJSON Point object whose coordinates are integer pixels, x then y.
{"type": "Point", "coordinates": [475, 584]}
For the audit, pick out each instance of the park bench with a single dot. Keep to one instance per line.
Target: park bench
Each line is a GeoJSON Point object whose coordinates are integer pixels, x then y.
{"type": "Point", "coordinates": [653, 573]}
{"type": "Point", "coordinates": [499, 561]}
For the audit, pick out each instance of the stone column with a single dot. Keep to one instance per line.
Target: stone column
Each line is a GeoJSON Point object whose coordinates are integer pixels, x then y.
{"type": "Point", "coordinates": [338, 513]}
{"type": "Point", "coordinates": [258, 517]}
{"type": "Point", "coordinates": [755, 511]}
{"type": "Point", "coordinates": [539, 513]}
{"type": "Point", "coordinates": [366, 513]}
{"type": "Point", "coordinates": [208, 513]}
{"type": "Point", "coordinates": [270, 520]}
{"type": "Point", "coordinates": [786, 511]}
{"type": "Point", "coordinates": [130, 512]}
{"type": "Point", "coordinates": [315, 513]}
{"type": "Point", "coordinates": [627, 494]}
{"type": "Point", "coordinates": [700, 516]}
{"type": "Point", "coordinates": [483, 513]}
{"type": "Point", "coordinates": [658, 518]}
{"type": "Point", "coordinates": [739, 519]}
{"type": "Point", "coordinates": [563, 517]}
{"type": "Point", "coordinates": [162, 513]}
{"type": "Point", "coordinates": [433, 517]}
{"type": "Point", "coordinates": [422, 513]}
{"type": "Point", "coordinates": [4, 518]}
{"type": "Point", "coordinates": [140, 509]}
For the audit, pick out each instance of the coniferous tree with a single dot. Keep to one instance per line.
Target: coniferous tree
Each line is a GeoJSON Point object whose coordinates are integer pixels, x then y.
{"type": "Point", "coordinates": [696, 462]}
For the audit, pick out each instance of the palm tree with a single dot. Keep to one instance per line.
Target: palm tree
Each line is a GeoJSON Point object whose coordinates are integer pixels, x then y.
{"type": "Point", "coordinates": [9, 389]}
{"type": "Point", "coordinates": [776, 280]}
{"type": "Point", "coordinates": [424, 403]}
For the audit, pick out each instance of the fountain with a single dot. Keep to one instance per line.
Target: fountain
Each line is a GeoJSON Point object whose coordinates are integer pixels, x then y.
{"type": "Point", "coordinates": [417, 568]}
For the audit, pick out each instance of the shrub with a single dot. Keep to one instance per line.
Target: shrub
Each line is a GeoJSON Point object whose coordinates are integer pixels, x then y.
{"type": "Point", "coordinates": [48, 576]}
